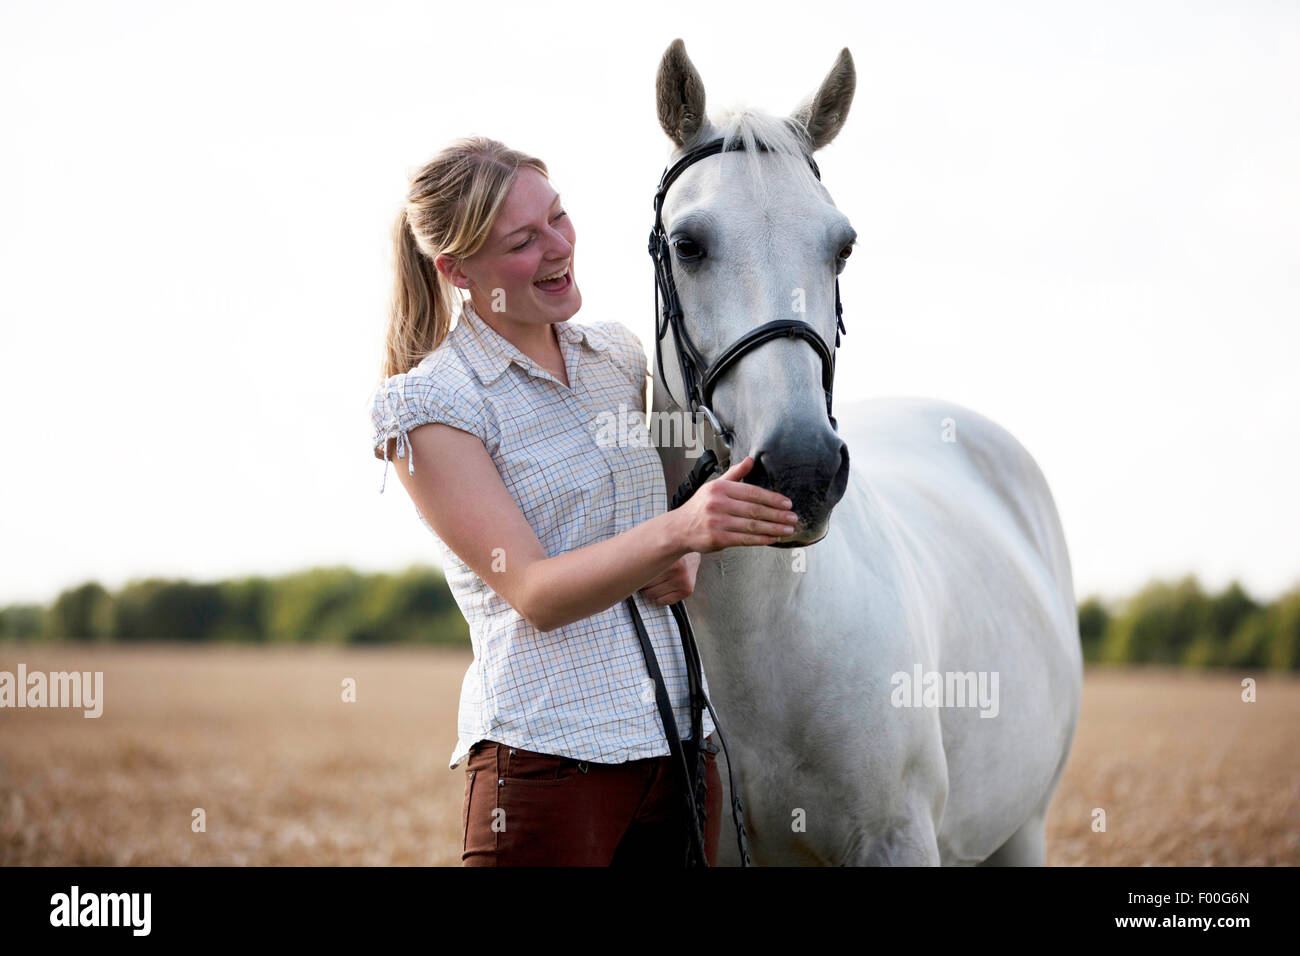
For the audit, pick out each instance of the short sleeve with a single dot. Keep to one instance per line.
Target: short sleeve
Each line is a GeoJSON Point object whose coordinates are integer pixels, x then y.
{"type": "Point", "coordinates": [415, 398]}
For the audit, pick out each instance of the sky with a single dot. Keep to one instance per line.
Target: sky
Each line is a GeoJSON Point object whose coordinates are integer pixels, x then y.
{"type": "Point", "coordinates": [1080, 219]}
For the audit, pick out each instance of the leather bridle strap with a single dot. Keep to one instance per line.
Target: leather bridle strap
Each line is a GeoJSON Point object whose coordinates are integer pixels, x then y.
{"type": "Point", "coordinates": [693, 786]}
{"type": "Point", "coordinates": [699, 386]}
{"type": "Point", "coordinates": [781, 328]}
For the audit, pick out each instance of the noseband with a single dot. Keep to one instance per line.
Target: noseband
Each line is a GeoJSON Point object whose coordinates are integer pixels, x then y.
{"type": "Point", "coordinates": [700, 384]}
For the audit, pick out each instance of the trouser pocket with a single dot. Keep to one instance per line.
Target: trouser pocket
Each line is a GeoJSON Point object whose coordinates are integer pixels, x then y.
{"type": "Point", "coordinates": [531, 769]}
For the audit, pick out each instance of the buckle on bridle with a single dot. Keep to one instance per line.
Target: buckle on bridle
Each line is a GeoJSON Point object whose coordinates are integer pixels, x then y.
{"type": "Point", "coordinates": [713, 436]}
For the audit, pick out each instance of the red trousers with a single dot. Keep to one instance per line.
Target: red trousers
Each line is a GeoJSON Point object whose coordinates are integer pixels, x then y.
{"type": "Point", "coordinates": [524, 808]}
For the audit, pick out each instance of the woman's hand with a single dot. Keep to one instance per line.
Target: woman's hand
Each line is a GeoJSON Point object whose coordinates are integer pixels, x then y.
{"type": "Point", "coordinates": [677, 582]}
{"type": "Point", "coordinates": [727, 513]}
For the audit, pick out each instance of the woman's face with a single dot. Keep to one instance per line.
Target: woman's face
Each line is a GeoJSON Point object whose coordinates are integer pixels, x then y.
{"type": "Point", "coordinates": [532, 238]}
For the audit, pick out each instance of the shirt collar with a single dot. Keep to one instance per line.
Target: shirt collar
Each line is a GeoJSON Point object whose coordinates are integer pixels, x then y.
{"type": "Point", "coordinates": [489, 354]}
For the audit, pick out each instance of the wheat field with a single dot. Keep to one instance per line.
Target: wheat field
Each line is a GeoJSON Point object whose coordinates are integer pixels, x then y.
{"type": "Point", "coordinates": [286, 773]}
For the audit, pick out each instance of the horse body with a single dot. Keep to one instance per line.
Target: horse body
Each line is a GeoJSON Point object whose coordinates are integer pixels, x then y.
{"type": "Point", "coordinates": [929, 544]}
{"type": "Point", "coordinates": [944, 555]}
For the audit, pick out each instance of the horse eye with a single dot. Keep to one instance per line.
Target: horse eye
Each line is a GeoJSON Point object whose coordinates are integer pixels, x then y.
{"type": "Point", "coordinates": [687, 249]}
{"type": "Point", "coordinates": [843, 258]}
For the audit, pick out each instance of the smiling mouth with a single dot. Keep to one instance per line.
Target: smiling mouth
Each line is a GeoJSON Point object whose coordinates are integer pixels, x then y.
{"type": "Point", "coordinates": [556, 282]}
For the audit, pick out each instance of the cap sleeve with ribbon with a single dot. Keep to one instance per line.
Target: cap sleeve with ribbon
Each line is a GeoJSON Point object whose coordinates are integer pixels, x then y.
{"type": "Point", "coordinates": [419, 397]}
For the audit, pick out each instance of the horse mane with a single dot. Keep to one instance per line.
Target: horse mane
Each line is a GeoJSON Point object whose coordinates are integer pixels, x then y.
{"type": "Point", "coordinates": [788, 147]}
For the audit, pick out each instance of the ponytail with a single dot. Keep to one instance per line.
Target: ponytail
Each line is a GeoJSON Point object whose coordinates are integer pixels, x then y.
{"type": "Point", "coordinates": [420, 315]}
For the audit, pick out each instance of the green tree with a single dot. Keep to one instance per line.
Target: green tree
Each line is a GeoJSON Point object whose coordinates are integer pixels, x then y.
{"type": "Point", "coordinates": [23, 622]}
{"type": "Point", "coordinates": [415, 605]}
{"type": "Point", "coordinates": [1229, 610]}
{"type": "Point", "coordinates": [321, 605]}
{"type": "Point", "coordinates": [1249, 644]}
{"type": "Point", "coordinates": [83, 613]}
{"type": "Point", "coordinates": [1094, 619]}
{"type": "Point", "coordinates": [160, 610]}
{"type": "Point", "coordinates": [1158, 625]}
{"type": "Point", "coordinates": [246, 607]}
{"type": "Point", "coordinates": [1284, 637]}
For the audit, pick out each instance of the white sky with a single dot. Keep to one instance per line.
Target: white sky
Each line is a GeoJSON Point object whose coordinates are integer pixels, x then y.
{"type": "Point", "coordinates": [1082, 220]}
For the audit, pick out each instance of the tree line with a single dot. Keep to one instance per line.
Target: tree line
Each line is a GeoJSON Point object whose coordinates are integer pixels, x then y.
{"type": "Point", "coordinates": [1180, 623]}
{"type": "Point", "coordinates": [1165, 622]}
{"type": "Point", "coordinates": [333, 605]}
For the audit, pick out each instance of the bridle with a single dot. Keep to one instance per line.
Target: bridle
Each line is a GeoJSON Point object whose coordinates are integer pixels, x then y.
{"type": "Point", "coordinates": [700, 384]}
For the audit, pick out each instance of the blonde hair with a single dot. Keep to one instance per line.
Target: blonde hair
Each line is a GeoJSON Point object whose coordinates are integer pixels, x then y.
{"type": "Point", "coordinates": [450, 207]}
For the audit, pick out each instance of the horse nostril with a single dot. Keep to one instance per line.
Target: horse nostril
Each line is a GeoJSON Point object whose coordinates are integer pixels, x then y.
{"type": "Point", "coordinates": [840, 483]}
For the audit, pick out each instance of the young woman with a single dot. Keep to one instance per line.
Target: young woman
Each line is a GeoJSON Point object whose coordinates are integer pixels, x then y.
{"type": "Point", "coordinates": [544, 523]}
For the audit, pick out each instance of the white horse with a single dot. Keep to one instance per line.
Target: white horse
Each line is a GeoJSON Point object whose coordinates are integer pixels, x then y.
{"type": "Point", "coordinates": [944, 556]}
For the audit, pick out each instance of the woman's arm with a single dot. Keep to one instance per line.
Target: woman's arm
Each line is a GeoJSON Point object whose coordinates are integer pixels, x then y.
{"type": "Point", "coordinates": [459, 491]}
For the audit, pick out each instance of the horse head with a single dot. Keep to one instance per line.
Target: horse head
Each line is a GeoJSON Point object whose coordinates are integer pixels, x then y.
{"type": "Point", "coordinates": [748, 248]}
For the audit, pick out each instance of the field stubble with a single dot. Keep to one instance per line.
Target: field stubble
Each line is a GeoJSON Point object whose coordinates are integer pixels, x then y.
{"type": "Point", "coordinates": [288, 774]}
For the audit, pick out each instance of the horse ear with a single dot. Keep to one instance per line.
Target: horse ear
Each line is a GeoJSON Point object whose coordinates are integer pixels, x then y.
{"type": "Point", "coordinates": [680, 94]}
{"type": "Point", "coordinates": [822, 115]}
